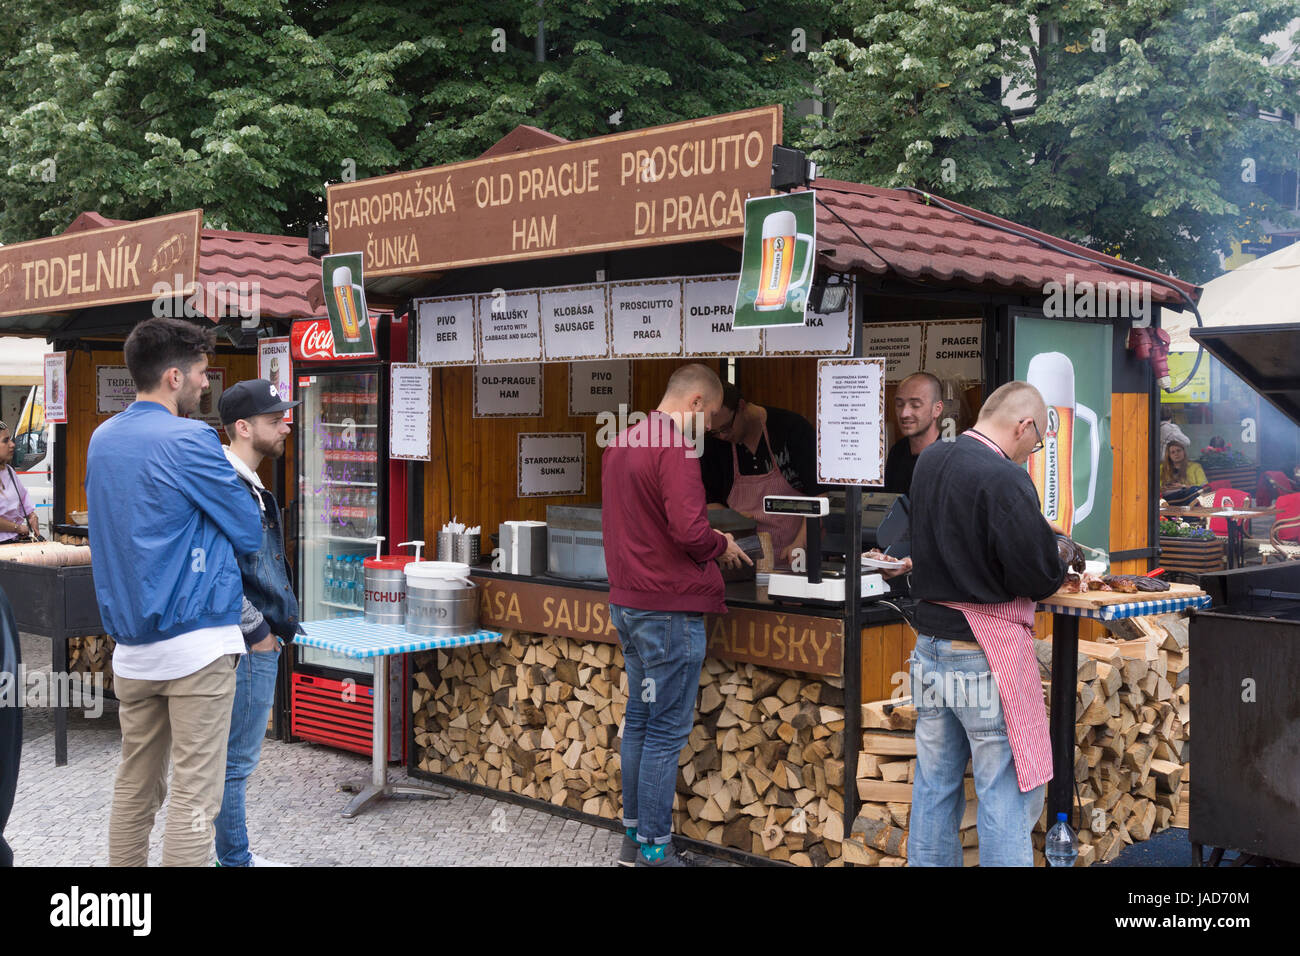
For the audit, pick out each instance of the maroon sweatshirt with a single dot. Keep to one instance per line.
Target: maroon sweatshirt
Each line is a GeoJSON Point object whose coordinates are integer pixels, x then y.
{"type": "Point", "coordinates": [659, 548]}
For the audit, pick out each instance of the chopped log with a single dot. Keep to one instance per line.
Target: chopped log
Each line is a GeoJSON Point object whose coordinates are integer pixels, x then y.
{"type": "Point", "coordinates": [883, 744]}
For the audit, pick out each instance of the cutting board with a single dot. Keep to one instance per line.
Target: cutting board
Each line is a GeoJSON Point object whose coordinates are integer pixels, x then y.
{"type": "Point", "coordinates": [1096, 599]}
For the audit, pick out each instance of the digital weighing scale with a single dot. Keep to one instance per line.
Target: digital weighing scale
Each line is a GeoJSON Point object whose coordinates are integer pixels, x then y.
{"type": "Point", "coordinates": [814, 585]}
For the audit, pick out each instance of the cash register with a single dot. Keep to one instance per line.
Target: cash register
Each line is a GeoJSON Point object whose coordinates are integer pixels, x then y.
{"type": "Point", "coordinates": [817, 582]}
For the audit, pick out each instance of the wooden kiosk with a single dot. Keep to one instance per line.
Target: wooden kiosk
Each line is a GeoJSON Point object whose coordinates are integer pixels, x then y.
{"type": "Point", "coordinates": [536, 718]}
{"type": "Point", "coordinates": [85, 289]}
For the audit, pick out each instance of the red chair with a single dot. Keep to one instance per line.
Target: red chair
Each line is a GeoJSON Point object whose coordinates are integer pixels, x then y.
{"type": "Point", "coordinates": [1221, 484]}
{"type": "Point", "coordinates": [1271, 484]}
{"type": "Point", "coordinates": [1287, 525]}
{"type": "Point", "coordinates": [1229, 498]}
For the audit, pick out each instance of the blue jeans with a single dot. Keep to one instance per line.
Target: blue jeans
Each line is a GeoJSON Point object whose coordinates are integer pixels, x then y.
{"type": "Point", "coordinates": [254, 695]}
{"type": "Point", "coordinates": [663, 652]}
{"type": "Point", "coordinates": [959, 718]}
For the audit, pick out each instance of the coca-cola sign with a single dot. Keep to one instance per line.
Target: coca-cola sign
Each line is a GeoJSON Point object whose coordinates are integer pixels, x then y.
{"type": "Point", "coordinates": [313, 341]}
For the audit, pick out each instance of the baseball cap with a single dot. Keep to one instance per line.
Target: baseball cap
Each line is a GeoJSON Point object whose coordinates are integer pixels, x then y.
{"type": "Point", "coordinates": [256, 396]}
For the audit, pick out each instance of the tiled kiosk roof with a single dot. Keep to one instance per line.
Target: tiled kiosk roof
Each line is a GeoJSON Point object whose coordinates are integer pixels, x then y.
{"type": "Point", "coordinates": [923, 242]}
{"type": "Point", "coordinates": [286, 274]}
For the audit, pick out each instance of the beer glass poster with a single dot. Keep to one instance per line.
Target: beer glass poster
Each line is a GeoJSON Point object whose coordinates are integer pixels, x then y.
{"type": "Point", "coordinates": [776, 265]}
{"type": "Point", "coordinates": [1069, 363]}
{"type": "Point", "coordinates": [345, 300]}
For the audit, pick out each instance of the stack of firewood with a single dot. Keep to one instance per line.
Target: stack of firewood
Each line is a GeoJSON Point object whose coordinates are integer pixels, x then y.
{"type": "Point", "coordinates": [540, 716]}
{"type": "Point", "coordinates": [92, 655]}
{"type": "Point", "coordinates": [1131, 755]}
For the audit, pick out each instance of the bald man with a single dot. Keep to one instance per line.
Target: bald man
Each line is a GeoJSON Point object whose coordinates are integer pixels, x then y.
{"type": "Point", "coordinates": [918, 406]}
{"type": "Point", "coordinates": [662, 557]}
{"type": "Point", "coordinates": [983, 555]}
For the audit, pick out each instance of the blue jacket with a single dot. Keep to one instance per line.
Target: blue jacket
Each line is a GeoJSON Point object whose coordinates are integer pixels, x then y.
{"type": "Point", "coordinates": [168, 515]}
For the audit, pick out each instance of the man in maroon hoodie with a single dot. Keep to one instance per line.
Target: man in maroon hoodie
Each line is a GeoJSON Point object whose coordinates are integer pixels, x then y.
{"type": "Point", "coordinates": [661, 556]}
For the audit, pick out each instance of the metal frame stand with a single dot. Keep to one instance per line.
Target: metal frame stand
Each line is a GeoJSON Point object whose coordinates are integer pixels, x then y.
{"type": "Point", "coordinates": [378, 787]}
{"type": "Point", "coordinates": [1065, 667]}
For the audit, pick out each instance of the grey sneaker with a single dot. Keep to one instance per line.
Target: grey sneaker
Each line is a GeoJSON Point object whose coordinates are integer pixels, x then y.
{"type": "Point", "coordinates": [263, 861]}
{"type": "Point", "coordinates": [670, 858]}
{"type": "Point", "coordinates": [628, 853]}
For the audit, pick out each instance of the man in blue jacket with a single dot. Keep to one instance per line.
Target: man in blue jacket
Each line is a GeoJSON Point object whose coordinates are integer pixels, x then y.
{"type": "Point", "coordinates": [253, 415]}
{"type": "Point", "coordinates": [168, 515]}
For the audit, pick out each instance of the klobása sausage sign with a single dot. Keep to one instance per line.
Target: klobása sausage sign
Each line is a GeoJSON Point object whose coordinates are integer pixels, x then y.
{"type": "Point", "coordinates": [676, 183]}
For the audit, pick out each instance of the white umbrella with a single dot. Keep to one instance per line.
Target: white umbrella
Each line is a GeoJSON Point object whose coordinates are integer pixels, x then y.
{"type": "Point", "coordinates": [1264, 291]}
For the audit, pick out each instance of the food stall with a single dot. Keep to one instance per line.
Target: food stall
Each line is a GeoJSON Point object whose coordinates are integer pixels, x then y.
{"type": "Point", "coordinates": [551, 286]}
{"type": "Point", "coordinates": [1247, 794]}
{"type": "Point", "coordinates": [84, 290]}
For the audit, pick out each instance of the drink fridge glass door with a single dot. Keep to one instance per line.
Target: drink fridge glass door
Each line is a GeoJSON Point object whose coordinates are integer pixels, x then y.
{"type": "Point", "coordinates": [339, 497]}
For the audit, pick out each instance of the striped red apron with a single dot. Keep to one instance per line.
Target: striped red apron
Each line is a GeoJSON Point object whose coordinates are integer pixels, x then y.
{"type": "Point", "coordinates": [1005, 633]}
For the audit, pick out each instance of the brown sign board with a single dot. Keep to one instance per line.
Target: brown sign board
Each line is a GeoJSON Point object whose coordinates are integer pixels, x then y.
{"type": "Point", "coordinates": [132, 262]}
{"type": "Point", "coordinates": [777, 639]}
{"type": "Point", "coordinates": [676, 183]}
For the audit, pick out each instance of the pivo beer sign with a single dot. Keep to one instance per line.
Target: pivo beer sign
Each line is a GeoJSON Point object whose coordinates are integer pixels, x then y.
{"type": "Point", "coordinates": [676, 183]}
{"type": "Point", "coordinates": [795, 642]}
{"type": "Point", "coordinates": [128, 263]}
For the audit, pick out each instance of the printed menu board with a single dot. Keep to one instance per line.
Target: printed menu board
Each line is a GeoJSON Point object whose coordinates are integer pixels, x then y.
{"type": "Point", "coordinates": [850, 421]}
{"type": "Point", "coordinates": [508, 391]}
{"type": "Point", "coordinates": [508, 328]}
{"type": "Point", "coordinates": [410, 418]}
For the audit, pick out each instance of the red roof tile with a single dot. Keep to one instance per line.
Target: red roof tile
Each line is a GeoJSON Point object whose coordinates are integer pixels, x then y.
{"type": "Point", "coordinates": [280, 265]}
{"type": "Point", "coordinates": [285, 273]}
{"type": "Point", "coordinates": [924, 242]}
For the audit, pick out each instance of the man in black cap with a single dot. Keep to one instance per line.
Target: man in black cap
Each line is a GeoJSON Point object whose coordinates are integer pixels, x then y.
{"type": "Point", "coordinates": [253, 415]}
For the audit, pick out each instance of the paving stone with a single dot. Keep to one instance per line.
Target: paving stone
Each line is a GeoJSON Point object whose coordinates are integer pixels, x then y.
{"type": "Point", "coordinates": [60, 814]}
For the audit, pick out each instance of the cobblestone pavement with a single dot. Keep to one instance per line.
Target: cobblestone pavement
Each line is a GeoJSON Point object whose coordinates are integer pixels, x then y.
{"type": "Point", "coordinates": [60, 815]}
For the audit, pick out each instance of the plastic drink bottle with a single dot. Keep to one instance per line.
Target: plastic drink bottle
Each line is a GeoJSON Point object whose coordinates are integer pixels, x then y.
{"type": "Point", "coordinates": [1062, 846]}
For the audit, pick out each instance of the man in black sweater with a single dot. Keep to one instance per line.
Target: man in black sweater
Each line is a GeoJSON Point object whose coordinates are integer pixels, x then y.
{"type": "Point", "coordinates": [983, 555]}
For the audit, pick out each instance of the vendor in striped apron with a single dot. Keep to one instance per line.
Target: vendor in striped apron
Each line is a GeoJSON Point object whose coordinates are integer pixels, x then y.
{"type": "Point", "coordinates": [983, 555]}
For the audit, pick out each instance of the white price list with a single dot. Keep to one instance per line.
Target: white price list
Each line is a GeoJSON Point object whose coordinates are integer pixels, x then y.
{"type": "Point", "coordinates": [409, 406]}
{"type": "Point", "coordinates": [850, 421]}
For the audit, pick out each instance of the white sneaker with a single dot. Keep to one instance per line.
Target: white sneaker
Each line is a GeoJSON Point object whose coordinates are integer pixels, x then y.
{"type": "Point", "coordinates": [263, 861]}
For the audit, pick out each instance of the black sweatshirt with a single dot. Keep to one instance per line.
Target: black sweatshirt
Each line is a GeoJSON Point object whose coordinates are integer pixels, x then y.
{"type": "Point", "coordinates": [977, 535]}
{"type": "Point", "coordinates": [794, 441]}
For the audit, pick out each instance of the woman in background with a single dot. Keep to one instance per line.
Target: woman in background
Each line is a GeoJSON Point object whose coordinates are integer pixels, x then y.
{"type": "Point", "coordinates": [17, 516]}
{"type": "Point", "coordinates": [1176, 471]}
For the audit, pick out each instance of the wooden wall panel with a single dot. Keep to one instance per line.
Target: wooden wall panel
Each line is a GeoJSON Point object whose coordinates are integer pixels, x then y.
{"type": "Point", "coordinates": [83, 417]}
{"type": "Point", "coordinates": [473, 472]}
{"type": "Point", "coordinates": [789, 383]}
{"type": "Point", "coordinates": [885, 649]}
{"type": "Point", "coordinates": [1130, 446]}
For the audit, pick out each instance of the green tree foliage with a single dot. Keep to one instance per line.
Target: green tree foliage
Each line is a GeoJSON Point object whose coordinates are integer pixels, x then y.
{"type": "Point", "coordinates": [140, 108]}
{"type": "Point", "coordinates": [1145, 128]}
{"type": "Point", "coordinates": [122, 108]}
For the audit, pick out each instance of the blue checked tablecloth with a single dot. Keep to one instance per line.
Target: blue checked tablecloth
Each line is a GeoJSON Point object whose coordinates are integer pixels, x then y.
{"type": "Point", "coordinates": [352, 636]}
{"type": "Point", "coordinates": [1113, 612]}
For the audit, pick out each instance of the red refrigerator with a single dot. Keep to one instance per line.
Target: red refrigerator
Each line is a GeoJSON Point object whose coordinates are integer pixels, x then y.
{"type": "Point", "coordinates": [341, 465]}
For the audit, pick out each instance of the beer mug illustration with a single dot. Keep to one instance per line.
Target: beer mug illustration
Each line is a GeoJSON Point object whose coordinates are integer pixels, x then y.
{"type": "Point", "coordinates": [1052, 468]}
{"type": "Point", "coordinates": [347, 304]}
{"type": "Point", "coordinates": [780, 242]}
